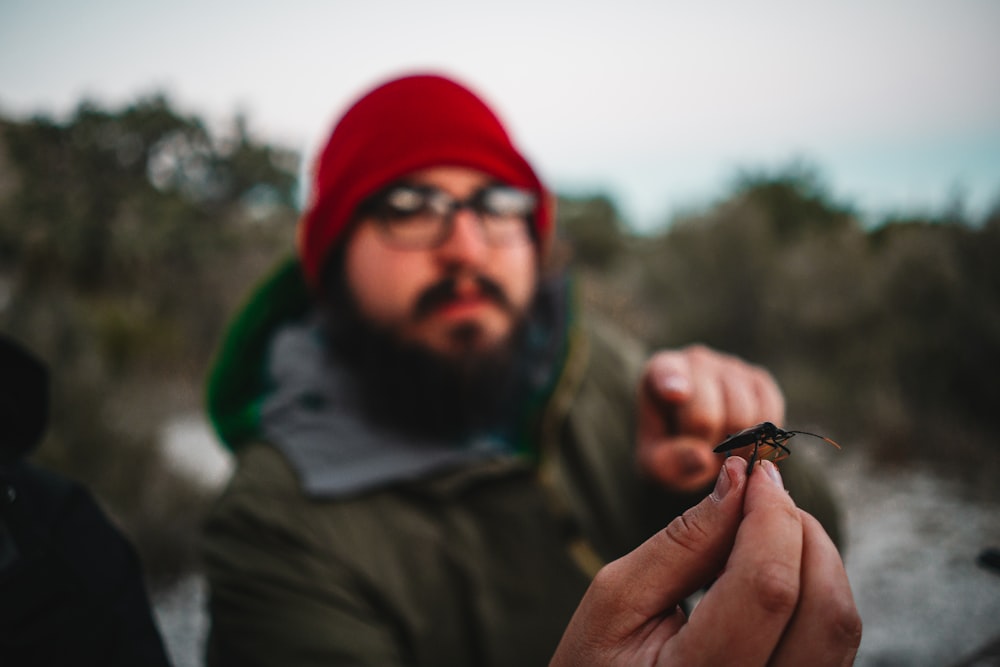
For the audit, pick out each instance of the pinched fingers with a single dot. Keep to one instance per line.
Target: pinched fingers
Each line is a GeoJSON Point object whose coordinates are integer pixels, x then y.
{"type": "Point", "coordinates": [743, 616]}
{"type": "Point", "coordinates": [782, 598]}
{"type": "Point", "coordinates": [630, 609]}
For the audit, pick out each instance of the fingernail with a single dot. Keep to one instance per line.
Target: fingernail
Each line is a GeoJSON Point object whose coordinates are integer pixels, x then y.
{"type": "Point", "coordinates": [723, 484]}
{"type": "Point", "coordinates": [772, 472]}
{"type": "Point", "coordinates": [675, 383]}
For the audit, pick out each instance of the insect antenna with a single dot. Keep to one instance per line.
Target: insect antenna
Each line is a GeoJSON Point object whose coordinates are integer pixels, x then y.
{"type": "Point", "coordinates": [821, 437]}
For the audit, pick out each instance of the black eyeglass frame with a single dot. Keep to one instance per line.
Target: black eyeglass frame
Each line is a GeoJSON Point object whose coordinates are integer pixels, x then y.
{"type": "Point", "coordinates": [505, 214]}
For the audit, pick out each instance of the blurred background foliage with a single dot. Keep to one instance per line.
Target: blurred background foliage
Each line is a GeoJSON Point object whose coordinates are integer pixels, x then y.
{"type": "Point", "coordinates": [885, 336]}
{"type": "Point", "coordinates": [129, 236]}
{"type": "Point", "coordinates": [126, 239]}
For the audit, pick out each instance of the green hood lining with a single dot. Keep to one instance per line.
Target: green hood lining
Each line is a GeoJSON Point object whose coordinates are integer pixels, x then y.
{"type": "Point", "coordinates": [236, 375]}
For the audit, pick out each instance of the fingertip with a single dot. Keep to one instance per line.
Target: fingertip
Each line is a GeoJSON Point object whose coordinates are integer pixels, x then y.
{"type": "Point", "coordinates": [766, 490]}
{"type": "Point", "coordinates": [681, 464]}
{"type": "Point", "coordinates": [772, 473]}
{"type": "Point", "coordinates": [738, 466]}
{"type": "Point", "coordinates": [814, 532]}
{"type": "Point", "coordinates": [673, 383]}
{"type": "Point", "coordinates": [731, 477]}
{"type": "Point", "coordinates": [667, 374]}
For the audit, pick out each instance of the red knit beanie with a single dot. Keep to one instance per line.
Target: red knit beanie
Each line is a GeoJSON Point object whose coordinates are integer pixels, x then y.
{"type": "Point", "coordinates": [404, 125]}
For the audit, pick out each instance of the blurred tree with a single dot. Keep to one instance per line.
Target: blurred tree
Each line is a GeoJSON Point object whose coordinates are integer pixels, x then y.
{"type": "Point", "coordinates": [887, 336]}
{"type": "Point", "coordinates": [126, 236]}
{"type": "Point", "coordinates": [593, 229]}
{"type": "Point", "coordinates": [793, 199]}
{"type": "Point", "coordinates": [724, 277]}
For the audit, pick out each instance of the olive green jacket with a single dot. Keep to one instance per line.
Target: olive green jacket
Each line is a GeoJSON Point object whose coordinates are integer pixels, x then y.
{"type": "Point", "coordinates": [476, 564]}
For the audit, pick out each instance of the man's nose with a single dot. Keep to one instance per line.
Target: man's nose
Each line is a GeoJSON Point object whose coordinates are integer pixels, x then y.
{"type": "Point", "coordinates": [466, 242]}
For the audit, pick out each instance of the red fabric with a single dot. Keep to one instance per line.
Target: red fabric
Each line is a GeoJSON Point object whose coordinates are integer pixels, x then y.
{"type": "Point", "coordinates": [406, 124]}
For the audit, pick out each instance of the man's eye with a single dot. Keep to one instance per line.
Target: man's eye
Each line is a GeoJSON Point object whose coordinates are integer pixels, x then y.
{"type": "Point", "coordinates": [405, 201]}
{"type": "Point", "coordinates": [508, 202]}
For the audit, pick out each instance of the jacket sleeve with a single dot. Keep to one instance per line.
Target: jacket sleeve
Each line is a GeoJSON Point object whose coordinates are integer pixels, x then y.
{"type": "Point", "coordinates": [276, 600]}
{"type": "Point", "coordinates": [71, 585]}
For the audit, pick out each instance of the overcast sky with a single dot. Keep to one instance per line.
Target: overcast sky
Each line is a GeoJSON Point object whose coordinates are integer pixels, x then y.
{"type": "Point", "coordinates": [656, 102]}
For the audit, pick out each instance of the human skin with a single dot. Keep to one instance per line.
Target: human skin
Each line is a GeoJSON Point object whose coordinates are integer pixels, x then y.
{"type": "Point", "coordinates": [779, 594]}
{"type": "Point", "coordinates": [387, 281]}
{"type": "Point", "coordinates": [690, 399]}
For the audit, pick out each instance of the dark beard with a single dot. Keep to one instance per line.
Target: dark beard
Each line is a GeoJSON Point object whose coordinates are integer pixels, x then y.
{"type": "Point", "coordinates": [408, 388]}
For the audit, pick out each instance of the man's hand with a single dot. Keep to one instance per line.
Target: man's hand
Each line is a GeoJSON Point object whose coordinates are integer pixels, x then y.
{"type": "Point", "coordinates": [689, 401]}
{"type": "Point", "coordinates": [781, 596]}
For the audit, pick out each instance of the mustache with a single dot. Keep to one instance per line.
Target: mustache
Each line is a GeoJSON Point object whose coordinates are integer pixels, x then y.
{"type": "Point", "coordinates": [446, 290]}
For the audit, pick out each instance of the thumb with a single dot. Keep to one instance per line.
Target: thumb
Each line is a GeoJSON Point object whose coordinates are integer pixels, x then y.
{"type": "Point", "coordinates": [675, 562]}
{"type": "Point", "coordinates": [692, 549]}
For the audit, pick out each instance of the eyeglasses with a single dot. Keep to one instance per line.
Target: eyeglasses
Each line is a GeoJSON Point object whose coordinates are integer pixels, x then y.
{"type": "Point", "coordinates": [423, 216]}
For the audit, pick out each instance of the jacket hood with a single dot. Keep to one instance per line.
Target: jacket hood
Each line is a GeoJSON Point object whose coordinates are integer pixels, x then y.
{"type": "Point", "coordinates": [236, 382]}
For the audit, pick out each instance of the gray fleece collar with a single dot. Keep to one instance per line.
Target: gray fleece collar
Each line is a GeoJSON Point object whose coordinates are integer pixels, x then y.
{"type": "Point", "coordinates": [313, 418]}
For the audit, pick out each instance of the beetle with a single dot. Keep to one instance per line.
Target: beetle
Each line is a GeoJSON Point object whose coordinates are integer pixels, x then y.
{"type": "Point", "coordinates": [764, 434]}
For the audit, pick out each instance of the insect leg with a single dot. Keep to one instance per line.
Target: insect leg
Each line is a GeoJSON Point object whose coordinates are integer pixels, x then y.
{"type": "Point", "coordinates": [781, 457]}
{"type": "Point", "coordinates": [777, 450]}
{"type": "Point", "coordinates": [780, 445]}
{"type": "Point", "coordinates": [753, 456]}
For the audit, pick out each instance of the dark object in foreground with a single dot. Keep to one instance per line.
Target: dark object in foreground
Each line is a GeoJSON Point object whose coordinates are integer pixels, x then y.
{"type": "Point", "coordinates": [767, 435]}
{"type": "Point", "coordinates": [990, 559]}
{"type": "Point", "coordinates": [24, 400]}
{"type": "Point", "coordinates": [71, 586]}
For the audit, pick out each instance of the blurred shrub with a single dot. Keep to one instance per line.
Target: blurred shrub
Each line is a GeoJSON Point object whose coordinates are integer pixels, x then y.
{"type": "Point", "coordinates": [888, 337]}
{"type": "Point", "coordinates": [594, 229]}
{"type": "Point", "coordinates": [126, 238]}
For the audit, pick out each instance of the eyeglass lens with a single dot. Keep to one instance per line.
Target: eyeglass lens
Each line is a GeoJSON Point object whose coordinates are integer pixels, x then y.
{"type": "Point", "coordinates": [422, 216]}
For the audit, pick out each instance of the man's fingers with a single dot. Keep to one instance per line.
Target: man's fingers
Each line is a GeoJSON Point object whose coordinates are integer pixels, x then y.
{"type": "Point", "coordinates": [667, 451]}
{"type": "Point", "coordinates": [674, 562]}
{"type": "Point", "coordinates": [680, 406]}
{"type": "Point", "coordinates": [686, 464]}
{"type": "Point", "coordinates": [668, 376]}
{"type": "Point", "coordinates": [826, 627]}
{"type": "Point", "coordinates": [782, 598]}
{"type": "Point", "coordinates": [651, 581]}
{"type": "Point", "coordinates": [759, 588]}
{"type": "Point", "coordinates": [666, 383]}
{"type": "Point", "coordinates": [702, 393]}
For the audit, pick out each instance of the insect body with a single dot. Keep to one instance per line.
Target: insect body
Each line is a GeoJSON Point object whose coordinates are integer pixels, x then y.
{"type": "Point", "coordinates": [767, 435]}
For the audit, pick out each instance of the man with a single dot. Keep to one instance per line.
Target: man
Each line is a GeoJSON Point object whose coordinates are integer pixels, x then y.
{"type": "Point", "coordinates": [437, 452]}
